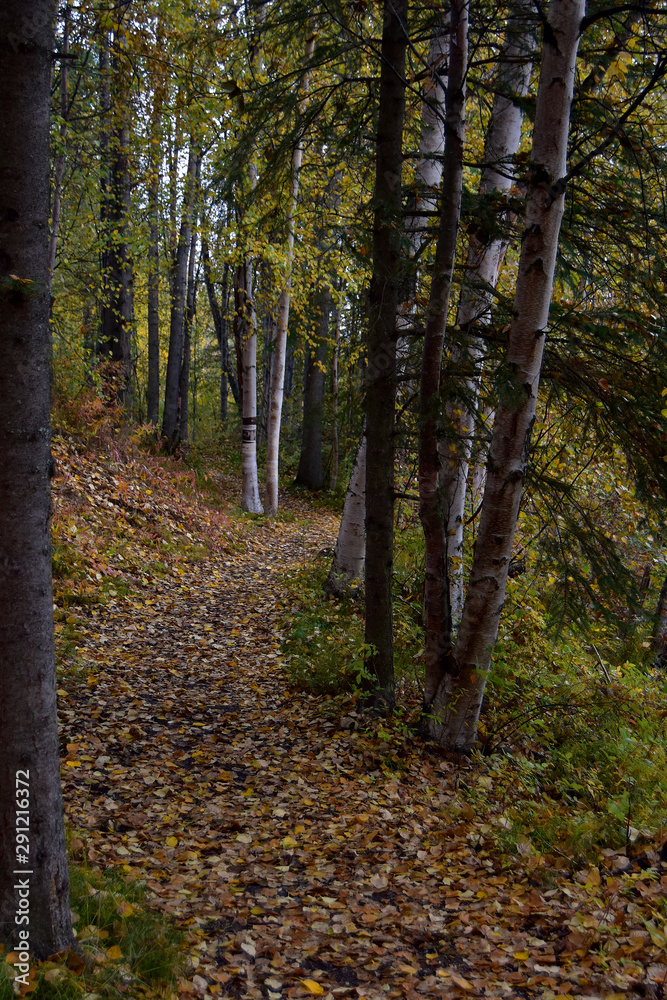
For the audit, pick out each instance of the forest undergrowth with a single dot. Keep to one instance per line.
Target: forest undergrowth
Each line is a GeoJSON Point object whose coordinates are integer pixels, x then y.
{"type": "Point", "coordinates": [238, 829]}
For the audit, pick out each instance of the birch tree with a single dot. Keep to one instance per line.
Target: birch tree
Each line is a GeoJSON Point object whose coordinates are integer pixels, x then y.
{"type": "Point", "coordinates": [246, 339]}
{"type": "Point", "coordinates": [456, 681]}
{"type": "Point", "coordinates": [347, 565]}
{"type": "Point", "coordinates": [484, 258]}
{"type": "Point", "coordinates": [277, 386]}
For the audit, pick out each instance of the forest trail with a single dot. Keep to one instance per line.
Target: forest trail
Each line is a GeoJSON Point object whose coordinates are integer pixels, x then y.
{"type": "Point", "coordinates": [303, 858]}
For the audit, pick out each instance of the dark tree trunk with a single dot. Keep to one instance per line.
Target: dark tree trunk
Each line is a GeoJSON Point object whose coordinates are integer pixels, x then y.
{"type": "Point", "coordinates": [170, 420]}
{"type": "Point", "coordinates": [334, 402]}
{"type": "Point", "coordinates": [184, 388]}
{"type": "Point", "coordinates": [118, 305]}
{"type": "Point", "coordinates": [153, 388]}
{"type": "Point", "coordinates": [190, 307]}
{"type": "Point", "coordinates": [436, 589]}
{"type": "Point", "coordinates": [219, 315]}
{"type": "Point", "coordinates": [660, 628]}
{"type": "Point", "coordinates": [28, 723]}
{"type": "Point", "coordinates": [381, 348]}
{"type": "Point", "coordinates": [310, 472]}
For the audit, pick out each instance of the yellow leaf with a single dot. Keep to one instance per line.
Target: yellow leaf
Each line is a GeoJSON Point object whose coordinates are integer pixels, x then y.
{"type": "Point", "coordinates": [115, 952]}
{"type": "Point", "coordinates": [291, 842]}
{"type": "Point", "coordinates": [521, 956]}
{"type": "Point", "coordinates": [125, 909]}
{"type": "Point", "coordinates": [315, 988]}
{"type": "Point", "coordinates": [460, 981]}
{"type": "Point", "coordinates": [171, 841]}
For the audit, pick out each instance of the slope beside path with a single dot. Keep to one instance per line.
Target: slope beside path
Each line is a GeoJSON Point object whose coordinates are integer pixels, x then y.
{"type": "Point", "coordinates": [301, 859]}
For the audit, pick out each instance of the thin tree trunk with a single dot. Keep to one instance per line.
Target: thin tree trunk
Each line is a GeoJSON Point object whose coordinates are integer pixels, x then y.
{"type": "Point", "coordinates": [170, 425]}
{"type": "Point", "coordinates": [59, 172]}
{"type": "Point", "coordinates": [247, 340]}
{"type": "Point", "coordinates": [188, 319]}
{"type": "Point", "coordinates": [428, 171]}
{"type": "Point", "coordinates": [334, 402]}
{"type": "Point", "coordinates": [347, 567]}
{"type": "Point", "coordinates": [153, 386]}
{"type": "Point", "coordinates": [436, 591]}
{"type": "Point", "coordinates": [277, 383]}
{"type": "Point", "coordinates": [310, 473]}
{"type": "Point", "coordinates": [219, 315]}
{"type": "Point", "coordinates": [388, 268]}
{"type": "Point", "coordinates": [428, 175]}
{"type": "Point", "coordinates": [34, 869]}
{"type": "Point", "coordinates": [456, 701]}
{"type": "Point", "coordinates": [660, 628]}
{"type": "Point", "coordinates": [118, 307]}
{"type": "Point", "coordinates": [485, 255]}
{"type": "Point", "coordinates": [268, 344]}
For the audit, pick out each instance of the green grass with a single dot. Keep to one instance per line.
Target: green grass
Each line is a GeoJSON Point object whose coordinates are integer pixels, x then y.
{"type": "Point", "coordinates": [128, 949]}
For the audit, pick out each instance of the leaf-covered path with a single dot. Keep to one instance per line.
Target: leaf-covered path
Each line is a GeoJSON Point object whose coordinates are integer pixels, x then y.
{"type": "Point", "coordinates": [302, 859]}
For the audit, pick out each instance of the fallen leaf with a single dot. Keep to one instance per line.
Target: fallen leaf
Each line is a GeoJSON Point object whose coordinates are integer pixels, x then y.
{"type": "Point", "coordinates": [315, 988]}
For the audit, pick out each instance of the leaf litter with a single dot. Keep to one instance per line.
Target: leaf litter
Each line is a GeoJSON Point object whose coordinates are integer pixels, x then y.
{"type": "Point", "coordinates": [303, 857]}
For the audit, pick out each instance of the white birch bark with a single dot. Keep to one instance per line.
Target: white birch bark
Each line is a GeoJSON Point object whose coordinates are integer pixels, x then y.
{"type": "Point", "coordinates": [347, 567]}
{"type": "Point", "coordinates": [480, 278]}
{"type": "Point", "coordinates": [250, 499]}
{"type": "Point", "coordinates": [456, 703]}
{"type": "Point", "coordinates": [428, 171]}
{"type": "Point", "coordinates": [246, 345]}
{"type": "Point", "coordinates": [280, 344]}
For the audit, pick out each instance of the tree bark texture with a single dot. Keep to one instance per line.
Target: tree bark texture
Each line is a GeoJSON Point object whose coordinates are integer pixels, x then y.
{"type": "Point", "coordinates": [660, 628]}
{"type": "Point", "coordinates": [59, 171]}
{"type": "Point", "coordinates": [246, 338]}
{"type": "Point", "coordinates": [347, 566]}
{"type": "Point", "coordinates": [310, 473]}
{"type": "Point", "coordinates": [333, 482]}
{"type": "Point", "coordinates": [428, 176]}
{"type": "Point", "coordinates": [436, 589]}
{"type": "Point", "coordinates": [485, 255]}
{"type": "Point", "coordinates": [188, 320]}
{"type": "Point", "coordinates": [153, 384]}
{"type": "Point", "coordinates": [118, 276]}
{"type": "Point", "coordinates": [388, 273]}
{"type": "Point", "coordinates": [219, 315]}
{"type": "Point", "coordinates": [277, 383]}
{"type": "Point", "coordinates": [456, 702]}
{"type": "Point", "coordinates": [29, 746]}
{"type": "Point", "coordinates": [170, 425]}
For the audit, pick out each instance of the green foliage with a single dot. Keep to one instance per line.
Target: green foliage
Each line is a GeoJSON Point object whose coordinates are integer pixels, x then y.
{"type": "Point", "coordinates": [123, 944]}
{"type": "Point", "coordinates": [576, 747]}
{"type": "Point", "coordinates": [325, 651]}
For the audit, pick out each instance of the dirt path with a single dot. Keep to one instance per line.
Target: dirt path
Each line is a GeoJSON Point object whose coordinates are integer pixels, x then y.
{"type": "Point", "coordinates": [302, 859]}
